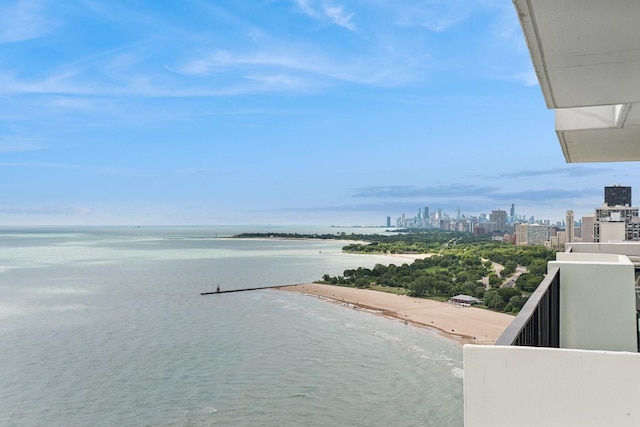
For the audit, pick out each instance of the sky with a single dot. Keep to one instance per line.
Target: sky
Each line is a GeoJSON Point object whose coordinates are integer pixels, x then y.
{"type": "Point", "coordinates": [326, 112]}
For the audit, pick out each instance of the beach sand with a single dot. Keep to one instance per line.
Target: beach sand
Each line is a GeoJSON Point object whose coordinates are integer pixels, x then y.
{"type": "Point", "coordinates": [463, 324]}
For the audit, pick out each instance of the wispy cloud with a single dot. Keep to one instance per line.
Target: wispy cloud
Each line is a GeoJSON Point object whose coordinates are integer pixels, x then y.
{"type": "Point", "coordinates": [575, 171]}
{"type": "Point", "coordinates": [157, 66]}
{"type": "Point", "coordinates": [548, 196]}
{"type": "Point", "coordinates": [528, 78]}
{"type": "Point", "coordinates": [435, 16]}
{"type": "Point", "coordinates": [106, 170]}
{"type": "Point", "coordinates": [338, 16]}
{"type": "Point", "coordinates": [24, 20]}
{"type": "Point", "coordinates": [17, 144]}
{"type": "Point", "coordinates": [328, 12]}
{"type": "Point", "coordinates": [297, 67]}
{"type": "Point", "coordinates": [474, 197]}
{"type": "Point", "coordinates": [445, 22]}
{"type": "Point", "coordinates": [411, 191]}
{"type": "Point", "coordinates": [305, 7]}
{"type": "Point", "coordinates": [45, 211]}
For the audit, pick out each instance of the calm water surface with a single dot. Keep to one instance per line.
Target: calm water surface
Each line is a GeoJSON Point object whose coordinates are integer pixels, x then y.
{"type": "Point", "coordinates": [106, 326]}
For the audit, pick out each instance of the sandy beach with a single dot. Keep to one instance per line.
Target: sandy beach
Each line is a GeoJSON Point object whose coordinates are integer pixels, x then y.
{"type": "Point", "coordinates": [463, 324]}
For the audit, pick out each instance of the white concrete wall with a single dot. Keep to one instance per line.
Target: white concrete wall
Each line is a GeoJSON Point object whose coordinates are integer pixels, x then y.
{"type": "Point", "coordinates": [613, 231]}
{"type": "Point", "coordinates": [623, 248]}
{"type": "Point", "coordinates": [526, 386]}
{"type": "Point", "coordinates": [597, 302]}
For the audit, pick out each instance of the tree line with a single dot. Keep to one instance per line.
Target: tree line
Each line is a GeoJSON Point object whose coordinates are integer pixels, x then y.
{"type": "Point", "coordinates": [457, 265]}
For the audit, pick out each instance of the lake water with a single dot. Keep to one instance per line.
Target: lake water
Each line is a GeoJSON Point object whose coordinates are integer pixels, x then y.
{"type": "Point", "coordinates": [107, 327]}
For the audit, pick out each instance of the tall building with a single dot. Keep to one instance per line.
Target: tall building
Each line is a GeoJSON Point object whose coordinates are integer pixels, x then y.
{"type": "Point", "coordinates": [521, 234]}
{"type": "Point", "coordinates": [499, 217]}
{"type": "Point", "coordinates": [588, 222]}
{"type": "Point", "coordinates": [537, 234]}
{"type": "Point", "coordinates": [512, 213]}
{"type": "Point", "coordinates": [388, 221]}
{"type": "Point", "coordinates": [618, 217]}
{"type": "Point", "coordinates": [617, 195]}
{"type": "Point", "coordinates": [569, 226]}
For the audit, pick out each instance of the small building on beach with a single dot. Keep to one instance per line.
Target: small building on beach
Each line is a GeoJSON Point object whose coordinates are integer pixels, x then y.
{"type": "Point", "coordinates": [464, 300]}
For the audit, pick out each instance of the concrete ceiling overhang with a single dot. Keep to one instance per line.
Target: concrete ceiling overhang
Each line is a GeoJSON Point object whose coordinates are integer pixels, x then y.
{"type": "Point", "coordinates": [586, 54]}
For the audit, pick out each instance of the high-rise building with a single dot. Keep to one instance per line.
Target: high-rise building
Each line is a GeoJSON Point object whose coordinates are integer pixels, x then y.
{"type": "Point", "coordinates": [499, 217]}
{"type": "Point", "coordinates": [537, 234]}
{"type": "Point", "coordinates": [521, 233]}
{"type": "Point", "coordinates": [388, 221]}
{"type": "Point", "coordinates": [569, 226]}
{"type": "Point", "coordinates": [617, 195]}
{"type": "Point", "coordinates": [606, 216]}
{"type": "Point", "coordinates": [588, 223]}
{"type": "Point", "coordinates": [512, 213]}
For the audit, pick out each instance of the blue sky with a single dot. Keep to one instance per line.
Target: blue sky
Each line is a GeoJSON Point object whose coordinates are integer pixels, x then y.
{"type": "Point", "coordinates": [276, 111]}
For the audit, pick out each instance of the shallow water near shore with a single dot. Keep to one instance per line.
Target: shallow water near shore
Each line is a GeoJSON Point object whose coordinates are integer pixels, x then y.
{"type": "Point", "coordinates": [106, 326]}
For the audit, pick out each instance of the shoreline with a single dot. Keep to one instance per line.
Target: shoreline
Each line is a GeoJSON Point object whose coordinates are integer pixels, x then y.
{"type": "Point", "coordinates": [461, 324]}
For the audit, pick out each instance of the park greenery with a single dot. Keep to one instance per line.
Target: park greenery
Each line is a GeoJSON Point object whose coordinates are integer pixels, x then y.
{"type": "Point", "coordinates": [459, 263]}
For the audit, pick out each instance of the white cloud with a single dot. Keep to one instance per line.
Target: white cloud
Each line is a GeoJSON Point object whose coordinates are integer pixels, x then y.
{"type": "Point", "coordinates": [435, 16]}
{"type": "Point", "coordinates": [12, 145]}
{"type": "Point", "coordinates": [102, 170]}
{"type": "Point", "coordinates": [23, 20]}
{"type": "Point", "coordinates": [327, 12]}
{"type": "Point", "coordinates": [306, 7]}
{"type": "Point", "coordinates": [301, 67]}
{"type": "Point", "coordinates": [279, 81]}
{"type": "Point", "coordinates": [440, 24]}
{"type": "Point", "coordinates": [338, 16]}
{"type": "Point", "coordinates": [529, 78]}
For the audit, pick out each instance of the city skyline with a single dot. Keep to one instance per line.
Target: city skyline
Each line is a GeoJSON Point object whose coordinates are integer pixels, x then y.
{"type": "Point", "coordinates": [616, 198]}
{"type": "Point", "coordinates": [285, 112]}
{"type": "Point", "coordinates": [511, 218]}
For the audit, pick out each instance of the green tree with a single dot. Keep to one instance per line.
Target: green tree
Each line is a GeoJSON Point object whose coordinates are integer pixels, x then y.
{"type": "Point", "coordinates": [527, 282]}
{"type": "Point", "coordinates": [362, 282]}
{"type": "Point", "coordinates": [492, 299]}
{"type": "Point", "coordinates": [494, 280]}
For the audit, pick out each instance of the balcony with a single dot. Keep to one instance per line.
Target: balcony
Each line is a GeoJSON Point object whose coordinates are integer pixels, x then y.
{"type": "Point", "coordinates": [538, 324]}
{"type": "Point", "coordinates": [571, 356]}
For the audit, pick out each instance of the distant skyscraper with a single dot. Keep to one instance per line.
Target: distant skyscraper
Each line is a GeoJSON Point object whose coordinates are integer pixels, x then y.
{"type": "Point", "coordinates": [617, 195]}
{"type": "Point", "coordinates": [569, 226]}
{"type": "Point", "coordinates": [537, 234]}
{"type": "Point", "coordinates": [521, 234]}
{"type": "Point", "coordinates": [388, 221]}
{"type": "Point", "coordinates": [512, 213]}
{"type": "Point", "coordinates": [499, 217]}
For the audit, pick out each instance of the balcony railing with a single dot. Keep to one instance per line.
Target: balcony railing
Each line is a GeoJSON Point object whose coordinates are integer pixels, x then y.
{"type": "Point", "coordinates": [538, 324]}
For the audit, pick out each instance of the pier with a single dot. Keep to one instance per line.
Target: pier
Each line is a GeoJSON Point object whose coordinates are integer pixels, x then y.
{"type": "Point", "coordinates": [218, 291]}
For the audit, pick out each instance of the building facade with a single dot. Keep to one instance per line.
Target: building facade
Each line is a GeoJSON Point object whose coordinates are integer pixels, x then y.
{"type": "Point", "coordinates": [499, 218]}
{"type": "Point", "coordinates": [569, 226]}
{"type": "Point", "coordinates": [617, 195]}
